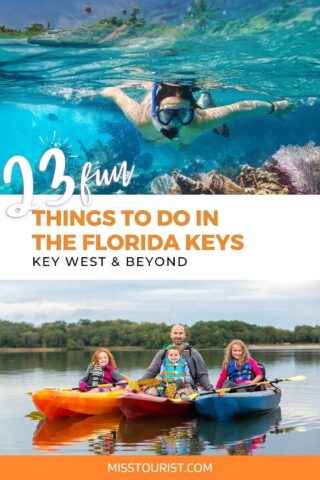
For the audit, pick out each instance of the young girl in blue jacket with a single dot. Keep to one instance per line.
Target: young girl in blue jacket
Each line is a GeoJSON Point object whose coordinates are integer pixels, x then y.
{"type": "Point", "coordinates": [238, 367]}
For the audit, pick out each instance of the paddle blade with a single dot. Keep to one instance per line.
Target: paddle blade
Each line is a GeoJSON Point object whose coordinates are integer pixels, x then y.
{"type": "Point", "coordinates": [134, 385]}
{"type": "Point", "coordinates": [298, 378]}
{"type": "Point", "coordinates": [193, 396]}
{"type": "Point", "coordinates": [35, 415]}
{"type": "Point", "coordinates": [149, 382]}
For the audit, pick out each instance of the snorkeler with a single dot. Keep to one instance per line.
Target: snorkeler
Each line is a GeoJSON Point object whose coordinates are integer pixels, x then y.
{"type": "Point", "coordinates": [171, 113]}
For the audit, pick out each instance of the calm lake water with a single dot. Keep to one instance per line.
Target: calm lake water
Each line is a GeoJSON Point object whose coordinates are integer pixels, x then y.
{"type": "Point", "coordinates": [294, 429]}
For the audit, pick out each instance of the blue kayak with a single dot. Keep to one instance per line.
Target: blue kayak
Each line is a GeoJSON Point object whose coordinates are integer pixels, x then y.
{"type": "Point", "coordinates": [234, 404]}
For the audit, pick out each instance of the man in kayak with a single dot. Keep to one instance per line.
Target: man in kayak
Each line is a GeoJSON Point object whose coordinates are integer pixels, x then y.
{"type": "Point", "coordinates": [170, 113]}
{"type": "Point", "coordinates": [197, 367]}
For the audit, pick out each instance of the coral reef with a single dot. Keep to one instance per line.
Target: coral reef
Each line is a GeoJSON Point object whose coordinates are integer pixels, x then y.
{"type": "Point", "coordinates": [298, 166]}
{"type": "Point", "coordinates": [261, 181]}
{"type": "Point", "coordinates": [291, 170]}
{"type": "Point", "coordinates": [251, 181]}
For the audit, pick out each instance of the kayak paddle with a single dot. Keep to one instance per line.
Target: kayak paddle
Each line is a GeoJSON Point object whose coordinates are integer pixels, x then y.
{"type": "Point", "coordinates": [103, 385]}
{"type": "Point", "coordinates": [134, 384]}
{"type": "Point", "coordinates": [298, 378]}
{"type": "Point", "coordinates": [149, 382]}
{"type": "Point", "coordinates": [70, 389]}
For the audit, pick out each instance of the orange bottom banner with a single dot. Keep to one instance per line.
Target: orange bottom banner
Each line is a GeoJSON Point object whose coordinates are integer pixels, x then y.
{"type": "Point", "coordinates": [166, 468]}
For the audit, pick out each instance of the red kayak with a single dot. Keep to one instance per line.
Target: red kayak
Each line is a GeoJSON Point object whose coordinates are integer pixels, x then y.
{"type": "Point", "coordinates": [140, 405]}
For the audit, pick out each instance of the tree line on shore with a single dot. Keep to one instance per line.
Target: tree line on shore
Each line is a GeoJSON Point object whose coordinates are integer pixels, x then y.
{"type": "Point", "coordinates": [148, 335]}
{"type": "Point", "coordinates": [198, 14]}
{"type": "Point", "coordinates": [127, 18]}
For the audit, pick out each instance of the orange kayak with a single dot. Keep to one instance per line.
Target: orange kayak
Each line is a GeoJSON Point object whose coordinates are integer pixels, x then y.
{"type": "Point", "coordinates": [59, 403]}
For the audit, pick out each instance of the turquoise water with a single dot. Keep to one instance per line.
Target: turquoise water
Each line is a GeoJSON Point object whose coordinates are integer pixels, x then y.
{"type": "Point", "coordinates": [294, 429]}
{"type": "Point", "coordinates": [271, 51]}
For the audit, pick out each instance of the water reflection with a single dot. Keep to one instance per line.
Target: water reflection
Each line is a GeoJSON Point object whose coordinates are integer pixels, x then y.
{"type": "Point", "coordinates": [145, 429]}
{"type": "Point", "coordinates": [241, 436]}
{"type": "Point", "coordinates": [65, 361]}
{"type": "Point", "coordinates": [78, 360]}
{"type": "Point", "coordinates": [164, 436]}
{"type": "Point", "coordinates": [182, 441]}
{"type": "Point", "coordinates": [103, 444]}
{"type": "Point", "coordinates": [52, 434]}
{"type": "Point", "coordinates": [106, 435]}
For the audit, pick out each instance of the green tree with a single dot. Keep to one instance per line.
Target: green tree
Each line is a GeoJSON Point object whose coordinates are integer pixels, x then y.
{"type": "Point", "coordinates": [315, 334]}
{"type": "Point", "coordinates": [201, 13]}
{"type": "Point", "coordinates": [303, 334]}
{"type": "Point", "coordinates": [31, 339]}
{"type": "Point", "coordinates": [4, 29]}
{"type": "Point", "coordinates": [133, 19]}
{"type": "Point", "coordinates": [119, 332]}
{"type": "Point", "coordinates": [36, 27]}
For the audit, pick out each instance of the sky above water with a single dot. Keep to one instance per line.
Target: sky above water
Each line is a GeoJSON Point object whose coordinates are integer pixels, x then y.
{"type": "Point", "coordinates": [70, 13]}
{"type": "Point", "coordinates": [281, 304]}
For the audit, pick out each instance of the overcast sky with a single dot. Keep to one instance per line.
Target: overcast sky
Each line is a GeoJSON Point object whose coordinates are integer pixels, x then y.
{"type": "Point", "coordinates": [264, 303]}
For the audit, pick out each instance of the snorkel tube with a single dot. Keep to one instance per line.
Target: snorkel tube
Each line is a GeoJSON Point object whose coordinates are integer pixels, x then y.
{"type": "Point", "coordinates": [154, 99]}
{"type": "Point", "coordinates": [170, 133]}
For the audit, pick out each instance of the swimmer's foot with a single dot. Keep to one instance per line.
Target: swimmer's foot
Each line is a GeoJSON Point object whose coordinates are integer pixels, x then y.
{"type": "Point", "coordinates": [223, 130]}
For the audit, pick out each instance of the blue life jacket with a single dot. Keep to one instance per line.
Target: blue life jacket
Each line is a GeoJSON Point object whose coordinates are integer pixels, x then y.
{"type": "Point", "coordinates": [186, 355]}
{"type": "Point", "coordinates": [243, 373]}
{"type": "Point", "coordinates": [172, 371]}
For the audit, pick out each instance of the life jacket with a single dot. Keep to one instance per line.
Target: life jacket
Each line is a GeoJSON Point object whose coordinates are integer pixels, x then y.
{"type": "Point", "coordinates": [107, 377]}
{"type": "Point", "coordinates": [172, 371]}
{"type": "Point", "coordinates": [99, 375]}
{"type": "Point", "coordinates": [263, 370]}
{"type": "Point", "coordinates": [243, 373]}
{"type": "Point", "coordinates": [187, 356]}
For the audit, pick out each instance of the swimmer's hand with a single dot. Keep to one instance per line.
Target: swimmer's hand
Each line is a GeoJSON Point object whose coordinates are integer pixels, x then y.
{"type": "Point", "coordinates": [281, 108]}
{"type": "Point", "coordinates": [110, 92]}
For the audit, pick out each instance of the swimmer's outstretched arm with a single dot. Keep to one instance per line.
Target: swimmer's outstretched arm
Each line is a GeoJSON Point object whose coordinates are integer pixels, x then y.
{"type": "Point", "coordinates": [133, 110]}
{"type": "Point", "coordinates": [213, 117]}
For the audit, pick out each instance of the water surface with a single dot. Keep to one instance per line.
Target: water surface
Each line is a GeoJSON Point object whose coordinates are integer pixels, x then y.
{"type": "Point", "coordinates": [293, 429]}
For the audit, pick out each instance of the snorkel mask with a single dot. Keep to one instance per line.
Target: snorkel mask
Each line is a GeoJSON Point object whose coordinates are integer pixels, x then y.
{"type": "Point", "coordinates": [162, 117]}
